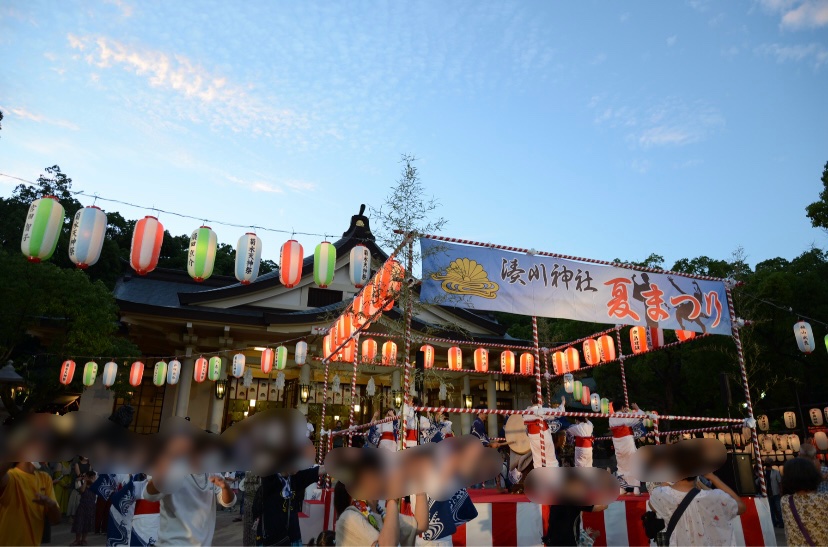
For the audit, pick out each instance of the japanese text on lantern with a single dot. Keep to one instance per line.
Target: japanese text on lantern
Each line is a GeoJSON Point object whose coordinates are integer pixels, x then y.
{"type": "Point", "coordinates": [559, 276]}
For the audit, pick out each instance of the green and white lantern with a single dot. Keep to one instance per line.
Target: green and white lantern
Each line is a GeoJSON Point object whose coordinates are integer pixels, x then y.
{"type": "Point", "coordinates": [324, 261]}
{"type": "Point", "coordinates": [159, 373]}
{"type": "Point", "coordinates": [42, 228]}
{"type": "Point", "coordinates": [214, 368]}
{"type": "Point", "coordinates": [201, 256]}
{"type": "Point", "coordinates": [281, 357]}
{"type": "Point", "coordinates": [90, 373]}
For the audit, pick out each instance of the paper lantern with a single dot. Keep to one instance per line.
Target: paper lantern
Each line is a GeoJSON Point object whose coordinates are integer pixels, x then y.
{"type": "Point", "coordinates": [360, 265]}
{"type": "Point", "coordinates": [573, 359]}
{"type": "Point", "coordinates": [300, 354]}
{"type": "Point", "coordinates": [248, 258]}
{"type": "Point", "coordinates": [110, 372]}
{"type": "Point", "coordinates": [389, 281]}
{"type": "Point", "coordinates": [611, 409]}
{"type": "Point", "coordinates": [685, 335]}
{"type": "Point", "coordinates": [90, 372]}
{"type": "Point", "coordinates": [577, 390]}
{"type": "Point", "coordinates": [359, 319]}
{"type": "Point", "coordinates": [585, 395]}
{"type": "Point", "coordinates": [605, 404]}
{"type": "Point", "coordinates": [202, 254]}
{"type": "Point", "coordinates": [592, 353]}
{"type": "Point", "coordinates": [428, 356]}
{"type": "Point", "coordinates": [44, 221]}
{"type": "Point", "coordinates": [790, 420]}
{"type": "Point", "coordinates": [389, 353]}
{"type": "Point", "coordinates": [481, 360]}
{"type": "Point", "coordinates": [527, 363]}
{"type": "Point", "coordinates": [606, 348]}
{"type": "Point", "coordinates": [159, 373]}
{"type": "Point", "coordinates": [655, 338]}
{"type": "Point", "coordinates": [794, 442]}
{"type": "Point", "coordinates": [173, 372]}
{"type": "Point", "coordinates": [825, 411]}
{"type": "Point", "coordinates": [146, 245]}
{"type": "Point", "coordinates": [214, 368]}
{"type": "Point", "coordinates": [345, 327]}
{"type": "Point", "coordinates": [638, 339]}
{"type": "Point", "coordinates": [595, 402]}
{"type": "Point", "coordinates": [559, 363]}
{"type": "Point", "coordinates": [348, 352]}
{"type": "Point", "coordinates": [200, 369]}
{"type": "Point", "coordinates": [281, 357]}
{"type": "Point", "coordinates": [324, 264]}
{"type": "Point", "coordinates": [87, 236]}
{"type": "Point", "coordinates": [763, 422]}
{"type": "Point", "coordinates": [369, 350]}
{"type": "Point", "coordinates": [804, 337]}
{"type": "Point", "coordinates": [237, 365]}
{"type": "Point", "coordinates": [507, 362]}
{"type": "Point", "coordinates": [267, 360]}
{"type": "Point", "coordinates": [290, 263]}
{"type": "Point", "coordinates": [136, 373]}
{"type": "Point", "coordinates": [816, 416]}
{"type": "Point", "coordinates": [569, 383]}
{"type": "Point", "coordinates": [455, 358]}
{"type": "Point", "coordinates": [821, 440]}
{"type": "Point", "coordinates": [67, 372]}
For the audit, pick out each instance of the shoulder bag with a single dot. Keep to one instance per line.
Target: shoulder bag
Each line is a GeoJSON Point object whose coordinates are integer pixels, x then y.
{"type": "Point", "coordinates": [799, 522]}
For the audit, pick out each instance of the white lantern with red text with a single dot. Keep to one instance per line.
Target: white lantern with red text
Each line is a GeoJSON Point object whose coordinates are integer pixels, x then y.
{"type": "Point", "coordinates": [369, 350]}
{"type": "Point", "coordinates": [507, 362]}
{"type": "Point", "coordinates": [389, 353]}
{"type": "Point", "coordinates": [428, 356]}
{"type": "Point", "coordinates": [360, 266]}
{"type": "Point", "coordinates": [146, 245]}
{"type": "Point", "coordinates": [136, 373]}
{"type": "Point", "coordinates": [592, 353]}
{"type": "Point", "coordinates": [455, 358]}
{"type": "Point", "coordinates": [248, 258]}
{"type": "Point", "coordinates": [763, 422]}
{"type": "Point", "coordinates": [606, 348]}
{"type": "Point", "coordinates": [804, 337]}
{"type": "Point", "coordinates": [595, 402]}
{"type": "Point", "coordinates": [87, 236]}
{"type": "Point", "coordinates": [481, 360]}
{"type": "Point", "coordinates": [67, 372]}
{"type": "Point", "coordinates": [290, 263]}
{"type": "Point", "coordinates": [573, 359]}
{"type": "Point", "coordinates": [527, 363]}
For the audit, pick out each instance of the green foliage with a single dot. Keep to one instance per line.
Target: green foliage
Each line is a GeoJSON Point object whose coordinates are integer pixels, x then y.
{"type": "Point", "coordinates": [818, 210]}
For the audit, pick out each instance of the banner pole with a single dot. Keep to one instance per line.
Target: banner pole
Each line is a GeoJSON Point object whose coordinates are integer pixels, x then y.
{"type": "Point", "coordinates": [538, 388]}
{"type": "Point", "coordinates": [409, 309]}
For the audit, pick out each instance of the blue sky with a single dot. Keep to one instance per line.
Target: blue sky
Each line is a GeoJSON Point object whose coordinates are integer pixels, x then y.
{"type": "Point", "coordinates": [589, 128]}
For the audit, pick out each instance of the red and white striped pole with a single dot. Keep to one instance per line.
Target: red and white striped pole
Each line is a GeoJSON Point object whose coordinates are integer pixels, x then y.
{"type": "Point", "coordinates": [621, 360]}
{"type": "Point", "coordinates": [407, 341]}
{"type": "Point", "coordinates": [538, 388]}
{"type": "Point", "coordinates": [547, 376]}
{"type": "Point", "coordinates": [353, 388]}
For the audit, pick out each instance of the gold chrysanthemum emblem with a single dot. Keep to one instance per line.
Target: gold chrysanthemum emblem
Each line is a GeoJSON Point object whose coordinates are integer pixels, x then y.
{"type": "Point", "coordinates": [468, 278]}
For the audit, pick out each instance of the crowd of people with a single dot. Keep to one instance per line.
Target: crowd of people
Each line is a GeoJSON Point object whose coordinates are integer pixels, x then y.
{"type": "Point", "coordinates": [695, 510]}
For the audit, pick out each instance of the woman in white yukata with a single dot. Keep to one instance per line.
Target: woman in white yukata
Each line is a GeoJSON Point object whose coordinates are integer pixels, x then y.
{"type": "Point", "coordinates": [623, 439]}
{"type": "Point", "coordinates": [537, 426]}
{"type": "Point", "coordinates": [387, 431]}
{"type": "Point", "coordinates": [582, 433]}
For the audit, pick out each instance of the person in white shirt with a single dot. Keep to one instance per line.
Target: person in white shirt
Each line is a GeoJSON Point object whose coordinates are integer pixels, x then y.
{"type": "Point", "coordinates": [188, 501]}
{"type": "Point", "coordinates": [387, 431]}
{"type": "Point", "coordinates": [624, 442]}
{"type": "Point", "coordinates": [708, 518]}
{"type": "Point", "coordinates": [537, 427]}
{"type": "Point", "coordinates": [582, 432]}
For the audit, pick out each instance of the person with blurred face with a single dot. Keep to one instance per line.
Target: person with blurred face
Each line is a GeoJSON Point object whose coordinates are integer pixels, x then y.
{"type": "Point", "coordinates": [624, 442]}
{"type": "Point", "coordinates": [478, 429]}
{"type": "Point", "coordinates": [444, 424]}
{"type": "Point", "coordinates": [27, 503]}
{"type": "Point", "coordinates": [804, 508]}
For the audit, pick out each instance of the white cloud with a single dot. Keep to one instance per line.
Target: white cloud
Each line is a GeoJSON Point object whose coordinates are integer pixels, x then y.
{"type": "Point", "coordinates": [23, 114]}
{"type": "Point", "coordinates": [798, 14]}
{"type": "Point", "coordinates": [814, 53]}
{"type": "Point", "coordinates": [126, 9]}
{"type": "Point", "coordinates": [671, 41]}
{"type": "Point", "coordinates": [256, 185]}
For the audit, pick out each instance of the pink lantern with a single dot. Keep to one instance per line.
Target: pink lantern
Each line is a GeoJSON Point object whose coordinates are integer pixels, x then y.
{"type": "Point", "coordinates": [200, 369]}
{"type": "Point", "coordinates": [559, 362]}
{"type": "Point", "coordinates": [507, 362]}
{"type": "Point", "coordinates": [146, 245]}
{"type": "Point", "coordinates": [481, 360]}
{"type": "Point", "coordinates": [428, 356]}
{"type": "Point", "coordinates": [290, 263]}
{"type": "Point", "coordinates": [136, 373]}
{"type": "Point", "coordinates": [369, 350]}
{"type": "Point", "coordinates": [592, 352]}
{"type": "Point", "coordinates": [585, 395]}
{"type": "Point", "coordinates": [606, 348]}
{"type": "Point", "coordinates": [573, 359]}
{"type": "Point", "coordinates": [455, 358]}
{"type": "Point", "coordinates": [267, 360]}
{"type": "Point", "coordinates": [67, 372]}
{"type": "Point", "coordinates": [527, 363]}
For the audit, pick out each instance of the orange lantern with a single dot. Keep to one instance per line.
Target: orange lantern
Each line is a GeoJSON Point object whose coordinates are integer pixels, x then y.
{"type": "Point", "coordinates": [348, 352]}
{"type": "Point", "coordinates": [199, 370]}
{"type": "Point", "coordinates": [585, 395]}
{"type": "Point", "coordinates": [428, 356]}
{"type": "Point", "coordinates": [357, 317]}
{"type": "Point", "coordinates": [267, 360]}
{"type": "Point", "coordinates": [455, 358]}
{"type": "Point", "coordinates": [507, 362]}
{"type": "Point", "coordinates": [559, 362]}
{"type": "Point", "coordinates": [136, 373]}
{"type": "Point", "coordinates": [67, 372]}
{"type": "Point", "coordinates": [370, 305]}
{"type": "Point", "coordinates": [685, 335]}
{"type": "Point", "coordinates": [527, 363]}
{"type": "Point", "coordinates": [344, 327]}
{"type": "Point", "coordinates": [606, 348]}
{"type": "Point", "coordinates": [291, 257]}
{"type": "Point", "coordinates": [389, 353]}
{"type": "Point", "coordinates": [638, 339]}
{"type": "Point", "coordinates": [573, 359]}
{"type": "Point", "coordinates": [369, 350]}
{"type": "Point", "coordinates": [592, 353]}
{"type": "Point", "coordinates": [481, 360]}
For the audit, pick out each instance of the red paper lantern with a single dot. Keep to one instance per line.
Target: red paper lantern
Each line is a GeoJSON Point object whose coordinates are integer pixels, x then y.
{"type": "Point", "coordinates": [507, 362]}
{"type": "Point", "coordinates": [592, 352]}
{"type": "Point", "coordinates": [655, 337]}
{"type": "Point", "coordinates": [455, 358]}
{"type": "Point", "coordinates": [428, 356]}
{"type": "Point", "coordinates": [200, 369]}
{"type": "Point", "coordinates": [527, 363]}
{"type": "Point", "coordinates": [606, 348]}
{"type": "Point", "coordinates": [348, 352]}
{"type": "Point", "coordinates": [357, 317]}
{"type": "Point", "coordinates": [585, 395]}
{"type": "Point", "coordinates": [67, 372]}
{"type": "Point", "coordinates": [559, 363]}
{"type": "Point", "coordinates": [267, 360]}
{"type": "Point", "coordinates": [369, 350]}
{"type": "Point", "coordinates": [389, 353]}
{"type": "Point", "coordinates": [136, 373]}
{"type": "Point", "coordinates": [685, 335]}
{"type": "Point", "coordinates": [638, 339]}
{"type": "Point", "coordinates": [146, 245]}
{"type": "Point", "coordinates": [344, 327]}
{"type": "Point", "coordinates": [370, 301]}
{"type": "Point", "coordinates": [573, 359]}
{"type": "Point", "coordinates": [481, 360]}
{"type": "Point", "coordinates": [327, 346]}
{"type": "Point", "coordinates": [290, 263]}
{"type": "Point", "coordinates": [389, 281]}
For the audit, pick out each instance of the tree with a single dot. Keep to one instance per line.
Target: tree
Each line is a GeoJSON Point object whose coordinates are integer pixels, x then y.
{"type": "Point", "coordinates": [818, 210]}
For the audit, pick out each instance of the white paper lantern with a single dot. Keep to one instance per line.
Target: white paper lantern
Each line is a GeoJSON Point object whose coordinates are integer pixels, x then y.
{"type": "Point", "coordinates": [816, 416]}
{"type": "Point", "coordinates": [442, 393]}
{"type": "Point", "coordinates": [87, 236]}
{"type": "Point", "coordinates": [360, 267]}
{"type": "Point", "coordinates": [595, 401]}
{"type": "Point", "coordinates": [173, 372]}
{"type": "Point", "coordinates": [301, 352]}
{"type": "Point", "coordinates": [237, 368]}
{"type": "Point", "coordinates": [804, 337]}
{"type": "Point", "coordinates": [569, 383]}
{"type": "Point", "coordinates": [821, 440]}
{"type": "Point", "coordinates": [790, 420]}
{"type": "Point", "coordinates": [109, 374]}
{"type": "Point", "coordinates": [248, 258]}
{"type": "Point", "coordinates": [763, 422]}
